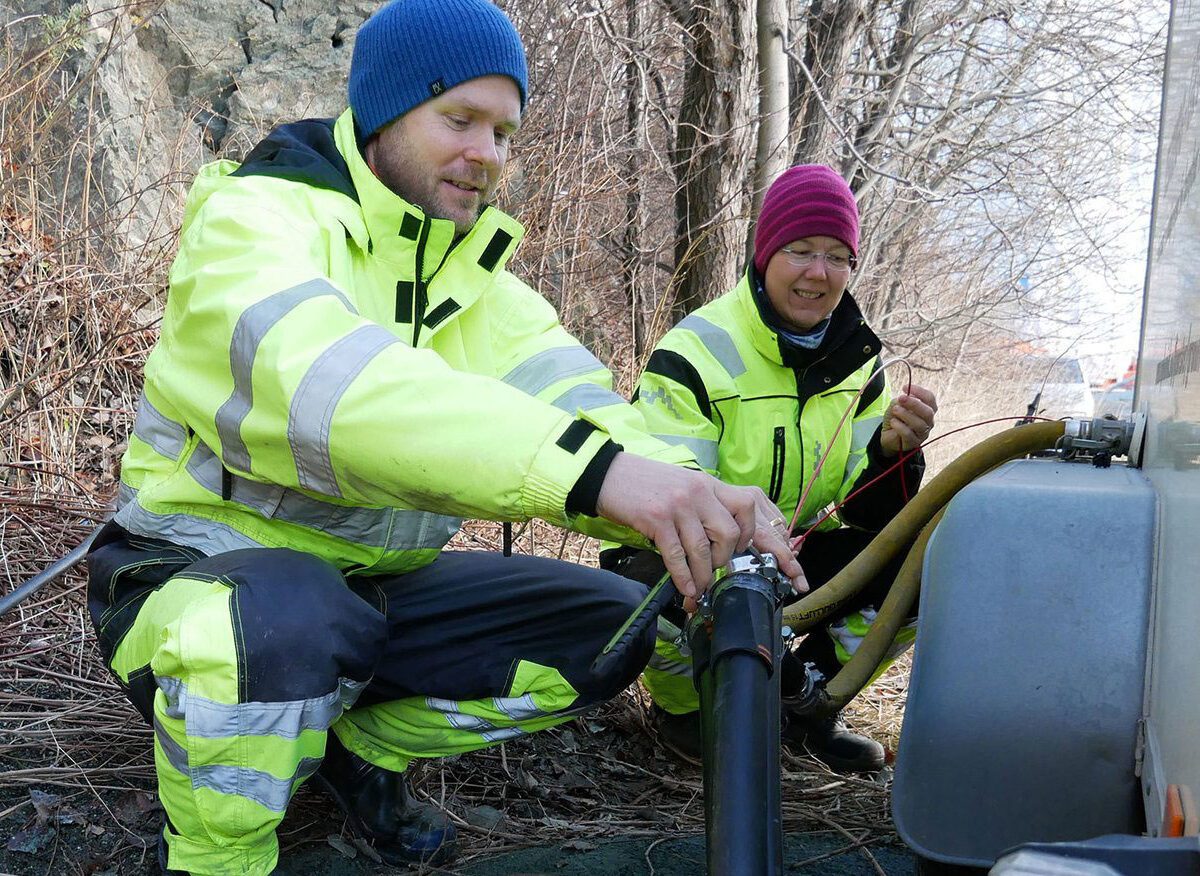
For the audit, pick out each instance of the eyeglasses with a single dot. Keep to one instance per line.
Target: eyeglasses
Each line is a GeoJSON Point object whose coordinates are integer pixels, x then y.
{"type": "Point", "coordinates": [835, 263]}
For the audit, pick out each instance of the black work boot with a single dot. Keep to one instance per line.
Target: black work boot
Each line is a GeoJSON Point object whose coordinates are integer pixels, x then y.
{"type": "Point", "coordinates": [379, 807]}
{"type": "Point", "coordinates": [828, 740]}
{"type": "Point", "coordinates": [679, 734]}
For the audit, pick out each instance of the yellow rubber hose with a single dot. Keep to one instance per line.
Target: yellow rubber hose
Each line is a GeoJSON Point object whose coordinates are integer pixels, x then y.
{"type": "Point", "coordinates": [855, 675]}
{"type": "Point", "coordinates": [824, 602]}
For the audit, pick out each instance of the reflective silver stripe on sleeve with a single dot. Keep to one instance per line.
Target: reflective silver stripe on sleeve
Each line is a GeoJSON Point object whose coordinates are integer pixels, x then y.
{"type": "Point", "coordinates": [855, 463]}
{"type": "Point", "coordinates": [208, 719]}
{"type": "Point", "coordinates": [860, 437]}
{"type": "Point", "coordinates": [718, 342]}
{"type": "Point", "coordinates": [670, 667]}
{"type": "Point", "coordinates": [163, 434]}
{"type": "Point", "coordinates": [252, 327]}
{"type": "Point", "coordinates": [704, 449]}
{"type": "Point", "coordinates": [586, 397]}
{"type": "Point", "coordinates": [263, 788]}
{"type": "Point", "coordinates": [546, 368]}
{"type": "Point", "coordinates": [392, 529]}
{"type": "Point", "coordinates": [209, 537]}
{"type": "Point", "coordinates": [322, 387]}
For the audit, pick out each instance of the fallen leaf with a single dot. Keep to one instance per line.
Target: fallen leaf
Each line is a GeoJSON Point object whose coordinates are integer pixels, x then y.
{"type": "Point", "coordinates": [525, 781]}
{"type": "Point", "coordinates": [31, 841]}
{"type": "Point", "coordinates": [342, 846]}
{"type": "Point", "coordinates": [44, 804]}
{"type": "Point", "coordinates": [573, 780]}
{"type": "Point", "coordinates": [578, 845]}
{"type": "Point", "coordinates": [367, 849]}
{"type": "Point", "coordinates": [132, 808]}
{"type": "Point", "coordinates": [486, 817]}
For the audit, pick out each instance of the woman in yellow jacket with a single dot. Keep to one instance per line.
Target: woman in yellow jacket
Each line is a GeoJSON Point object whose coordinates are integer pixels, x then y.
{"type": "Point", "coordinates": [756, 384]}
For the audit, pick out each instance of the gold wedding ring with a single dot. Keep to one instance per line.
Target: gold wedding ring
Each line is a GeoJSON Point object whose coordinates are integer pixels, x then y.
{"type": "Point", "coordinates": [777, 521]}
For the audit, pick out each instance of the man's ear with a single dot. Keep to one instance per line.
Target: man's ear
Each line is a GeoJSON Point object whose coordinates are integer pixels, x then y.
{"type": "Point", "coordinates": [369, 151]}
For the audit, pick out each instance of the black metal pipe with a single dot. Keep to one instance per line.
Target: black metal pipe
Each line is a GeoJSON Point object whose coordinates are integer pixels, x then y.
{"type": "Point", "coordinates": [41, 579]}
{"type": "Point", "coordinates": [735, 652]}
{"type": "Point", "coordinates": [773, 721]}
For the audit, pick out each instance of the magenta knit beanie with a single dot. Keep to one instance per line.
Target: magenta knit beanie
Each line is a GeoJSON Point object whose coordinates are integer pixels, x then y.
{"type": "Point", "coordinates": [806, 201]}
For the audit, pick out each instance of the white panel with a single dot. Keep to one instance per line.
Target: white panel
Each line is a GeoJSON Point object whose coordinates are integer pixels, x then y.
{"type": "Point", "coordinates": [1169, 392]}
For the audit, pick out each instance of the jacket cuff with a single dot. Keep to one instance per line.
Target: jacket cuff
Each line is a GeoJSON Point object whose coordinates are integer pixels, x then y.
{"type": "Point", "coordinates": [586, 493]}
{"type": "Point", "coordinates": [558, 467]}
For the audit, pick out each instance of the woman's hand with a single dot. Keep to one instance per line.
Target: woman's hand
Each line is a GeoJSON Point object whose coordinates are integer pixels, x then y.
{"type": "Point", "coordinates": [908, 421]}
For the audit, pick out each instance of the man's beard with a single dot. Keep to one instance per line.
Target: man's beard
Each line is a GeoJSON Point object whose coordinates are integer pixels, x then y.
{"type": "Point", "coordinates": [418, 188]}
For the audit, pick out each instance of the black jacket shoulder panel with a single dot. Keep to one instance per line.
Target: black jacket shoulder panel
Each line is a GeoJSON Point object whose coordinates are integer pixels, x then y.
{"type": "Point", "coordinates": [303, 152]}
{"type": "Point", "coordinates": [668, 363]}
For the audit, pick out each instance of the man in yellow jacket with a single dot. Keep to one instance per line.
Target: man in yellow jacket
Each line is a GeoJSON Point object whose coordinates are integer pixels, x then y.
{"type": "Point", "coordinates": [345, 371]}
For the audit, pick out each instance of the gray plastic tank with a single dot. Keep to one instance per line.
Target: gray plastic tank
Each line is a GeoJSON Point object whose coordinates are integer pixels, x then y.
{"type": "Point", "coordinates": [1026, 690]}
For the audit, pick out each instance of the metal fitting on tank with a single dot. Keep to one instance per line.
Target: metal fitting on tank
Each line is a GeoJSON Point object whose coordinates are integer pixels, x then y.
{"type": "Point", "coordinates": [1099, 436]}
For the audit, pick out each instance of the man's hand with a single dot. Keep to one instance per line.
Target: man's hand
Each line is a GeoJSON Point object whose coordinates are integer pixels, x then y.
{"type": "Point", "coordinates": [908, 421]}
{"type": "Point", "coordinates": [696, 522]}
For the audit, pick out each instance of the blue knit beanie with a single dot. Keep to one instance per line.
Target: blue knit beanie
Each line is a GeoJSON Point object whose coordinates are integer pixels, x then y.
{"type": "Point", "coordinates": [412, 50]}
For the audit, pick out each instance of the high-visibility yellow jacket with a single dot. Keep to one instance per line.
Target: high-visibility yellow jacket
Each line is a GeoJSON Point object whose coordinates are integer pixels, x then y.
{"type": "Point", "coordinates": [759, 411]}
{"type": "Point", "coordinates": [338, 374]}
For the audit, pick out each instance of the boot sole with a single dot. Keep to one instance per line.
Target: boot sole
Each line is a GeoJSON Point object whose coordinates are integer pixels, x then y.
{"type": "Point", "coordinates": [841, 765]}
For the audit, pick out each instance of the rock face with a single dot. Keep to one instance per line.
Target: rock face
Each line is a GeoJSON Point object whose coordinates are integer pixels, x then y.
{"type": "Point", "coordinates": [181, 82]}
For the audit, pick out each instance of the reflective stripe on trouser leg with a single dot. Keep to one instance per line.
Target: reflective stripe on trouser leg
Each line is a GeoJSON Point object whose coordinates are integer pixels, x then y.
{"type": "Point", "coordinates": [184, 624]}
{"type": "Point", "coordinates": [245, 692]}
{"type": "Point", "coordinates": [392, 734]}
{"type": "Point", "coordinates": [668, 679]}
{"type": "Point", "coordinates": [849, 632]}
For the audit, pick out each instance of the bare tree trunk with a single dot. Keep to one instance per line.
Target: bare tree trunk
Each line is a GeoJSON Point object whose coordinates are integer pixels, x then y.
{"type": "Point", "coordinates": [831, 33]}
{"type": "Point", "coordinates": [711, 152]}
{"type": "Point", "coordinates": [771, 156]}
{"type": "Point", "coordinates": [871, 134]}
{"type": "Point", "coordinates": [634, 261]}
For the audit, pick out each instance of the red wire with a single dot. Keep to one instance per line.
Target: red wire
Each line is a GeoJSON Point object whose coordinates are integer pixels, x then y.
{"type": "Point", "coordinates": [903, 458]}
{"type": "Point", "coordinates": [853, 404]}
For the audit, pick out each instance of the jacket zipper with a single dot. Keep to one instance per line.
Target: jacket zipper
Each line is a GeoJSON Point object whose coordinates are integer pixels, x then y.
{"type": "Point", "coordinates": [800, 485]}
{"type": "Point", "coordinates": [420, 293]}
{"type": "Point", "coordinates": [775, 485]}
{"type": "Point", "coordinates": [801, 401]}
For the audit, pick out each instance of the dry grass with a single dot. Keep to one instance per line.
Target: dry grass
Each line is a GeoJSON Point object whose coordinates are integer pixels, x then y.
{"type": "Point", "coordinates": [77, 317]}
